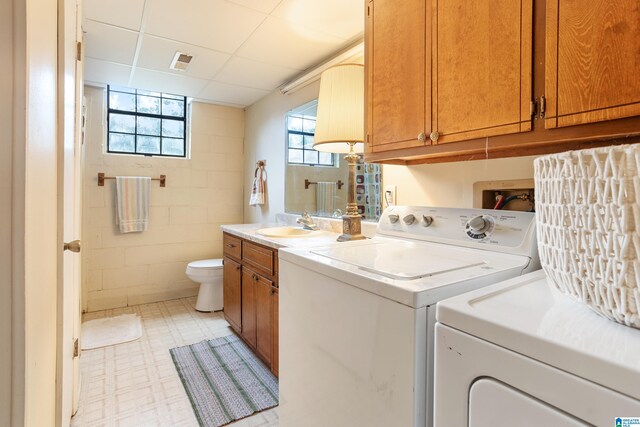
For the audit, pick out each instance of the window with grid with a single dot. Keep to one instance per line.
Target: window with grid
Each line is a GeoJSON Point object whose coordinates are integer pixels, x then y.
{"type": "Point", "coordinates": [300, 132]}
{"type": "Point", "coordinates": [146, 123]}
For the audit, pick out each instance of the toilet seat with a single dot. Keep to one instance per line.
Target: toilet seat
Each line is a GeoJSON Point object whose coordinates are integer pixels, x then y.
{"type": "Point", "coordinates": [206, 264]}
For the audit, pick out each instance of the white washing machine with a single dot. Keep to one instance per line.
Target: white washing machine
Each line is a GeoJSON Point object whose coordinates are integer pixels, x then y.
{"type": "Point", "coordinates": [357, 318]}
{"type": "Point", "coordinates": [519, 353]}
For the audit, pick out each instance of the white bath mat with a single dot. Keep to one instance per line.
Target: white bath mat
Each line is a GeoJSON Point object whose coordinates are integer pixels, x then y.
{"type": "Point", "coordinates": [110, 331]}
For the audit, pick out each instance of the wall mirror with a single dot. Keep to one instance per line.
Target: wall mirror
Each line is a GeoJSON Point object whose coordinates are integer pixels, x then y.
{"type": "Point", "coordinates": [316, 182]}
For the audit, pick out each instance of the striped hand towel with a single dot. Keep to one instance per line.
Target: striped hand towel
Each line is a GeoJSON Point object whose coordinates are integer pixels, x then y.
{"type": "Point", "coordinates": [132, 203]}
{"type": "Point", "coordinates": [325, 197]}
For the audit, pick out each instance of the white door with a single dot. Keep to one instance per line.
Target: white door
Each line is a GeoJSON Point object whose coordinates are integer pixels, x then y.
{"type": "Point", "coordinates": [69, 182]}
{"type": "Point", "coordinates": [80, 115]}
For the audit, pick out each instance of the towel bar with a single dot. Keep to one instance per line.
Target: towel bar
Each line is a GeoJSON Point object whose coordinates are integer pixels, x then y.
{"type": "Point", "coordinates": [102, 177]}
{"type": "Point", "coordinates": [307, 183]}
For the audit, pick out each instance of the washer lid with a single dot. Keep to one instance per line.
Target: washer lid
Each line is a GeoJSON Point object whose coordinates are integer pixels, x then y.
{"type": "Point", "coordinates": [206, 264]}
{"type": "Point", "coordinates": [400, 260]}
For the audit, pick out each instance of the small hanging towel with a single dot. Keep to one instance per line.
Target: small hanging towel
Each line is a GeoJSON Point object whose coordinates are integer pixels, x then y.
{"type": "Point", "coordinates": [326, 193]}
{"type": "Point", "coordinates": [132, 203]}
{"type": "Point", "coordinates": [259, 185]}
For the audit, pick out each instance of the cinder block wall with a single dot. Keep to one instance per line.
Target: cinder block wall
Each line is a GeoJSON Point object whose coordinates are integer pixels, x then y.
{"type": "Point", "coordinates": [202, 193]}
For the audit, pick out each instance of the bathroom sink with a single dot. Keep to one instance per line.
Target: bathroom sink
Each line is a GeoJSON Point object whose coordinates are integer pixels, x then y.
{"type": "Point", "coordinates": [287, 231]}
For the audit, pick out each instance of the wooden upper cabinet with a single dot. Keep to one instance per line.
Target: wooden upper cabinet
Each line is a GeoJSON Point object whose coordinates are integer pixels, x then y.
{"type": "Point", "coordinates": [592, 68]}
{"type": "Point", "coordinates": [482, 68]}
{"type": "Point", "coordinates": [398, 74]}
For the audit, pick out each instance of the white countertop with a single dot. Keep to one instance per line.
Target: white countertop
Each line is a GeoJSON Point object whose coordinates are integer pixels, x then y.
{"type": "Point", "coordinates": [248, 232]}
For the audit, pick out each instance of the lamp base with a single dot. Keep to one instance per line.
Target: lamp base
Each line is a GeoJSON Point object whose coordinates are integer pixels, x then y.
{"type": "Point", "coordinates": [351, 228]}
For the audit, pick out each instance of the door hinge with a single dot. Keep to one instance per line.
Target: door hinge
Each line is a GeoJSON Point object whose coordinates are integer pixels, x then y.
{"type": "Point", "coordinates": [537, 107]}
{"type": "Point", "coordinates": [76, 348]}
{"type": "Point", "coordinates": [78, 51]}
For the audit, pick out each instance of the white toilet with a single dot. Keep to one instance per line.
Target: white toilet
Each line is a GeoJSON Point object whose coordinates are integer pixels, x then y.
{"type": "Point", "coordinates": [207, 272]}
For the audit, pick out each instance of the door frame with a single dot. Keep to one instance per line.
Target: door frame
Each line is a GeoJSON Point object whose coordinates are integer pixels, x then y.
{"type": "Point", "coordinates": [69, 105]}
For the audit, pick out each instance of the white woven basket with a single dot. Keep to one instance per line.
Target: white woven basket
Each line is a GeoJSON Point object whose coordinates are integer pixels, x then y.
{"type": "Point", "coordinates": [588, 227]}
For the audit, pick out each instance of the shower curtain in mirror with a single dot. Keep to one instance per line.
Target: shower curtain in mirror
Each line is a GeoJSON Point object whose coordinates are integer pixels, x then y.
{"type": "Point", "coordinates": [369, 190]}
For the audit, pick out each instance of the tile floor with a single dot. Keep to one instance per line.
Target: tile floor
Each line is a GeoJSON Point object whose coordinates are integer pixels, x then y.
{"type": "Point", "coordinates": [136, 384]}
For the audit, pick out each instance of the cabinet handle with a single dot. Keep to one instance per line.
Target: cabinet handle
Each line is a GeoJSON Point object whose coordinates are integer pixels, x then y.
{"type": "Point", "coordinates": [434, 136]}
{"type": "Point", "coordinates": [238, 267]}
{"type": "Point", "coordinates": [422, 137]}
{"type": "Point", "coordinates": [230, 245]}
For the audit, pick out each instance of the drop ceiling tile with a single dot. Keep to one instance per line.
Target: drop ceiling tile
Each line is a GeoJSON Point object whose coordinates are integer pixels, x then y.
{"type": "Point", "coordinates": [102, 72]}
{"type": "Point", "coordinates": [246, 72]}
{"type": "Point", "coordinates": [122, 13]}
{"type": "Point", "coordinates": [341, 18]}
{"type": "Point", "coordinates": [232, 94]}
{"type": "Point", "coordinates": [167, 82]}
{"type": "Point", "coordinates": [157, 53]}
{"type": "Point", "coordinates": [214, 24]}
{"type": "Point", "coordinates": [289, 45]}
{"type": "Point", "coordinates": [265, 6]}
{"type": "Point", "coordinates": [110, 43]}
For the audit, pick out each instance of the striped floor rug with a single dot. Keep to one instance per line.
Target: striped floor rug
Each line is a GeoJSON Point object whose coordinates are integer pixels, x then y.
{"type": "Point", "coordinates": [224, 380]}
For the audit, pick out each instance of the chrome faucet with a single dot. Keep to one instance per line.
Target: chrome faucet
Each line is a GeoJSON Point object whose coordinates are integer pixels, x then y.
{"type": "Point", "coordinates": [306, 221]}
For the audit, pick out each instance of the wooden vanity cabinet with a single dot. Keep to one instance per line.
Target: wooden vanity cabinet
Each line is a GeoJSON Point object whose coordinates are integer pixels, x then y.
{"type": "Point", "coordinates": [249, 324]}
{"type": "Point", "coordinates": [250, 287]}
{"type": "Point", "coordinates": [264, 318]}
{"type": "Point", "coordinates": [232, 303]}
{"type": "Point", "coordinates": [592, 61]}
{"type": "Point", "coordinates": [275, 359]}
{"type": "Point", "coordinates": [232, 246]}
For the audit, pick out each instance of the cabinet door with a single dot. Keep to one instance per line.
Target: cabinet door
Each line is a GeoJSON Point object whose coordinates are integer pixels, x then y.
{"type": "Point", "coordinates": [264, 319]}
{"type": "Point", "coordinates": [275, 360]}
{"type": "Point", "coordinates": [482, 68]}
{"type": "Point", "coordinates": [398, 73]}
{"type": "Point", "coordinates": [232, 299]}
{"type": "Point", "coordinates": [249, 278]}
{"type": "Point", "coordinates": [592, 64]}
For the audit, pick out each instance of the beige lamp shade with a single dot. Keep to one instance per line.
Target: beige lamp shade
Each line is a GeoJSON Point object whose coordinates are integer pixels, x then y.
{"type": "Point", "coordinates": [340, 117]}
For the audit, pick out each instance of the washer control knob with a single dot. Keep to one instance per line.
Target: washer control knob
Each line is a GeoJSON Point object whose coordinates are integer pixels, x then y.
{"type": "Point", "coordinates": [409, 219]}
{"type": "Point", "coordinates": [393, 218]}
{"type": "Point", "coordinates": [477, 224]}
{"type": "Point", "coordinates": [427, 220]}
{"type": "Point", "coordinates": [480, 227]}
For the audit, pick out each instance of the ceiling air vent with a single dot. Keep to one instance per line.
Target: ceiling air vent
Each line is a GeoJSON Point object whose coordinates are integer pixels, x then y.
{"type": "Point", "coordinates": [180, 61]}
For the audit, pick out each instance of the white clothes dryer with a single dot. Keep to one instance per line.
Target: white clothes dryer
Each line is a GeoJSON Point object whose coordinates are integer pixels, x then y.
{"type": "Point", "coordinates": [520, 353]}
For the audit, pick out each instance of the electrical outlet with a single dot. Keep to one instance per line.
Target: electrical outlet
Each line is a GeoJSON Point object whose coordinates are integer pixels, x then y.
{"type": "Point", "coordinates": [389, 195]}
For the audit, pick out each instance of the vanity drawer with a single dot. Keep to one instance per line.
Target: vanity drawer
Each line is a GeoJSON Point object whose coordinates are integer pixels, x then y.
{"type": "Point", "coordinates": [232, 246]}
{"type": "Point", "coordinates": [259, 257]}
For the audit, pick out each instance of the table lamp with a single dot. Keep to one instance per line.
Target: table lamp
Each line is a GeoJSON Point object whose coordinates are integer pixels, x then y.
{"type": "Point", "coordinates": [340, 129]}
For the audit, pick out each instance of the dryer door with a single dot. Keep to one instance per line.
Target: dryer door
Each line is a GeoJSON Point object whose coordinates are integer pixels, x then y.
{"type": "Point", "coordinates": [493, 404]}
